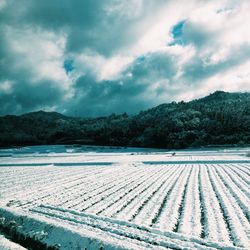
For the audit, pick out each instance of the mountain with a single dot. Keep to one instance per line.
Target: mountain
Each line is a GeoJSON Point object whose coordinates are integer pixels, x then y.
{"type": "Point", "coordinates": [218, 119]}
{"type": "Point", "coordinates": [42, 115]}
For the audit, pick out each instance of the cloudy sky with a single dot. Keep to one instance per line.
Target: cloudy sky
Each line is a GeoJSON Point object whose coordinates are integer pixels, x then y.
{"type": "Point", "coordinates": [92, 57]}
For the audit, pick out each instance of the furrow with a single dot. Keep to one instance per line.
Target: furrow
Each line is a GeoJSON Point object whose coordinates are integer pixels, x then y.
{"type": "Point", "coordinates": [232, 173]}
{"type": "Point", "coordinates": [183, 205]}
{"type": "Point", "coordinates": [238, 195]}
{"type": "Point", "coordinates": [119, 198]}
{"type": "Point", "coordinates": [236, 230]}
{"type": "Point", "coordinates": [190, 219]}
{"type": "Point", "coordinates": [134, 195]}
{"type": "Point", "coordinates": [148, 208]}
{"type": "Point", "coordinates": [131, 210]}
{"type": "Point", "coordinates": [170, 209]}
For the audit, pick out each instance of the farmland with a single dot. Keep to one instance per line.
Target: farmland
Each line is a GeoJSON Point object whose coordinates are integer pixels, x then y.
{"type": "Point", "coordinates": [127, 199]}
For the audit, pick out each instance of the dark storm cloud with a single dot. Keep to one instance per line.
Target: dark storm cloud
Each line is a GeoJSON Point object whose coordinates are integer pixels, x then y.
{"type": "Point", "coordinates": [19, 91]}
{"type": "Point", "coordinates": [196, 34]}
{"type": "Point", "coordinates": [89, 24]}
{"type": "Point", "coordinates": [93, 99]}
{"type": "Point", "coordinates": [26, 97]}
{"type": "Point", "coordinates": [198, 68]}
{"type": "Point", "coordinates": [138, 88]}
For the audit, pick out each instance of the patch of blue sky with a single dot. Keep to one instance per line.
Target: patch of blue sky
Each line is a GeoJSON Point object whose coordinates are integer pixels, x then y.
{"type": "Point", "coordinates": [68, 65]}
{"type": "Point", "coordinates": [177, 32]}
{"type": "Point", "coordinates": [140, 59]}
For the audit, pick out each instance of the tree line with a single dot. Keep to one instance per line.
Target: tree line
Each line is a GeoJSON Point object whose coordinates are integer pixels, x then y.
{"type": "Point", "coordinates": [218, 119]}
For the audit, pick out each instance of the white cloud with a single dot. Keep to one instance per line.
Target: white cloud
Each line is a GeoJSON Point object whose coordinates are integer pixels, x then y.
{"type": "Point", "coordinates": [40, 53]}
{"type": "Point", "coordinates": [102, 68]}
{"type": "Point", "coordinates": [235, 79]}
{"type": "Point", "coordinates": [2, 4]}
{"type": "Point", "coordinates": [6, 87]}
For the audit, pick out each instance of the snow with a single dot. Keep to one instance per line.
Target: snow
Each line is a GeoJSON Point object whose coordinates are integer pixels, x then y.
{"type": "Point", "coordinates": [6, 244]}
{"type": "Point", "coordinates": [71, 229]}
{"type": "Point", "coordinates": [127, 198]}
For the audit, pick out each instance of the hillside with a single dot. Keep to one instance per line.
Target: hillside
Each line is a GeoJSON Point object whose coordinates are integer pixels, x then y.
{"type": "Point", "coordinates": [218, 119]}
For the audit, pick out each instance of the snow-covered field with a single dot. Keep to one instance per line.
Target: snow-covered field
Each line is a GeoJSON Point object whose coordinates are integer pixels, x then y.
{"type": "Point", "coordinates": [6, 244]}
{"type": "Point", "coordinates": [106, 198]}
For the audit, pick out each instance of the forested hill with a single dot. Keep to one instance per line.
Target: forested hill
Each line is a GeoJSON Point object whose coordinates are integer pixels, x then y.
{"type": "Point", "coordinates": [218, 119]}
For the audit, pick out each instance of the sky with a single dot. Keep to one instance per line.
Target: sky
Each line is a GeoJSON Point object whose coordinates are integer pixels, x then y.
{"type": "Point", "coordinates": [93, 58]}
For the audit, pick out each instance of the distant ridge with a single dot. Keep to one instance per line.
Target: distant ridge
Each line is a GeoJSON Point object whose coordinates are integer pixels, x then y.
{"type": "Point", "coordinates": [44, 115]}
{"type": "Point", "coordinates": [220, 118]}
{"type": "Point", "coordinates": [222, 96]}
